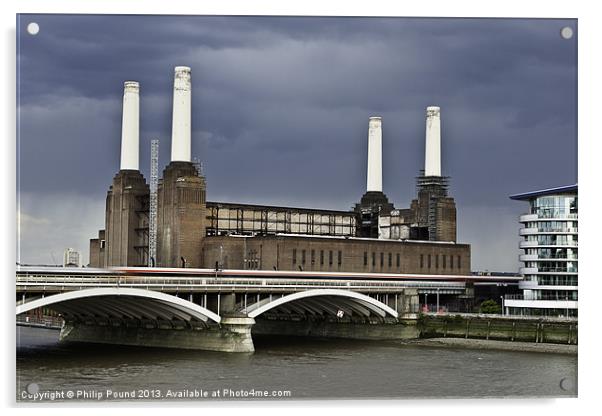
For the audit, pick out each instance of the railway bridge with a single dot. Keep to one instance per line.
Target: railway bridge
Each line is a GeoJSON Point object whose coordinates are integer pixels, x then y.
{"type": "Point", "coordinates": [221, 309]}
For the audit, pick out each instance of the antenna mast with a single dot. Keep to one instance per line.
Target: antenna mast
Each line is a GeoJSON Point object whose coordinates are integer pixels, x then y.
{"type": "Point", "coordinates": [154, 183]}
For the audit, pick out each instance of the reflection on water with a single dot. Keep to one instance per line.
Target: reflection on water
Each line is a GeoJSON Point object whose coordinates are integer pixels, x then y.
{"type": "Point", "coordinates": [309, 368]}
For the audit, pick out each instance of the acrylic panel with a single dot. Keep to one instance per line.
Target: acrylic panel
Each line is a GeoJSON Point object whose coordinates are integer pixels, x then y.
{"type": "Point", "coordinates": [216, 208]}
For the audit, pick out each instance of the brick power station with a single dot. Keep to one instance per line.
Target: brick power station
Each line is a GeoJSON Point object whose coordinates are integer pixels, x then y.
{"type": "Point", "coordinates": [195, 233]}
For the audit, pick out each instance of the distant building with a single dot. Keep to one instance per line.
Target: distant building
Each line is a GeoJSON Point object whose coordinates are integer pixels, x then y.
{"type": "Point", "coordinates": [549, 243]}
{"type": "Point", "coordinates": [71, 258]}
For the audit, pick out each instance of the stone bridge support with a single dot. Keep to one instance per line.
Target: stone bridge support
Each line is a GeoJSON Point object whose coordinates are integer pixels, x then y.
{"type": "Point", "coordinates": [410, 303]}
{"type": "Point", "coordinates": [231, 335]}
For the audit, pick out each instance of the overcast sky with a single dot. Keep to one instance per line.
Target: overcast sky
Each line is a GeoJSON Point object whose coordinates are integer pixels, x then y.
{"type": "Point", "coordinates": [280, 114]}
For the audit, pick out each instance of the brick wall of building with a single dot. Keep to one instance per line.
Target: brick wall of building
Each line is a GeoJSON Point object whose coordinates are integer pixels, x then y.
{"type": "Point", "coordinates": [126, 204]}
{"type": "Point", "coordinates": [181, 216]}
{"type": "Point", "coordinates": [94, 253]}
{"type": "Point", "coordinates": [445, 222]}
{"type": "Point", "coordinates": [336, 255]}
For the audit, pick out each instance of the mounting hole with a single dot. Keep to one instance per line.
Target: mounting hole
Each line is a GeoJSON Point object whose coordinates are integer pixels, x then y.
{"type": "Point", "coordinates": [33, 388]}
{"type": "Point", "coordinates": [566, 32]}
{"type": "Point", "coordinates": [33, 28]}
{"type": "Point", "coordinates": [567, 384]}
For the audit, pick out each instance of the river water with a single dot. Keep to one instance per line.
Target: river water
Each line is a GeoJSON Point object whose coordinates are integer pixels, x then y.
{"type": "Point", "coordinates": [293, 368]}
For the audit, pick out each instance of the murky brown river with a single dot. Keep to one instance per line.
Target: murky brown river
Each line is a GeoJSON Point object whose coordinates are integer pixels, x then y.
{"type": "Point", "coordinates": [282, 368]}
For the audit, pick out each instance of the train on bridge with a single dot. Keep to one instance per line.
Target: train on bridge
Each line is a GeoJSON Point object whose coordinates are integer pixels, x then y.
{"type": "Point", "coordinates": [126, 272]}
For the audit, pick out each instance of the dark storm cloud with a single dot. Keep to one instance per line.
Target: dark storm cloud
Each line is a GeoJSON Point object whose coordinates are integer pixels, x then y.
{"type": "Point", "coordinates": [280, 106]}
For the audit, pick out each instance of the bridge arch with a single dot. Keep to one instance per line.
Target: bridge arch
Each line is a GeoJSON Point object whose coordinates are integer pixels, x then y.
{"type": "Point", "coordinates": [121, 302]}
{"type": "Point", "coordinates": [324, 300]}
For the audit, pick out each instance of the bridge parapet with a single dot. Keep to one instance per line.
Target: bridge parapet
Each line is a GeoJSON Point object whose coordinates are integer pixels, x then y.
{"type": "Point", "coordinates": [45, 283]}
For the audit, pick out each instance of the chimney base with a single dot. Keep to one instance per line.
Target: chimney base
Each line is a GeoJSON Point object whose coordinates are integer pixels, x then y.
{"type": "Point", "coordinates": [371, 206]}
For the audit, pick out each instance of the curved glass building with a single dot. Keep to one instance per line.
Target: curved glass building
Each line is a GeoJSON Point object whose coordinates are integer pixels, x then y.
{"type": "Point", "coordinates": [549, 243]}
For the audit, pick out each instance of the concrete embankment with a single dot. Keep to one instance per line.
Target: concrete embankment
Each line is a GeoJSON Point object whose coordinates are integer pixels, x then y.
{"type": "Point", "coordinates": [515, 329]}
{"type": "Point", "coordinates": [550, 335]}
{"type": "Point", "coordinates": [493, 345]}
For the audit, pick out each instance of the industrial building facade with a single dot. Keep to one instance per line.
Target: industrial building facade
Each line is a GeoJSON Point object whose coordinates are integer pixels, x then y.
{"type": "Point", "coordinates": [336, 254]}
{"type": "Point", "coordinates": [192, 232]}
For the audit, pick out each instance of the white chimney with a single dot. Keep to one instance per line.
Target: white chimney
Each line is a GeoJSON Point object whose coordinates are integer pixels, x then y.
{"type": "Point", "coordinates": [432, 158]}
{"type": "Point", "coordinates": [181, 125]}
{"type": "Point", "coordinates": [130, 126]}
{"type": "Point", "coordinates": [375, 140]}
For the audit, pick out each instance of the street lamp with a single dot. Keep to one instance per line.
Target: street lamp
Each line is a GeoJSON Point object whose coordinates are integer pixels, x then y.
{"type": "Point", "coordinates": [502, 298]}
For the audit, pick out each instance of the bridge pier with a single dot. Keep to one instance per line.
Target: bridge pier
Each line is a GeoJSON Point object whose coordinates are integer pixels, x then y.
{"type": "Point", "coordinates": [388, 330]}
{"type": "Point", "coordinates": [232, 335]}
{"type": "Point", "coordinates": [409, 305]}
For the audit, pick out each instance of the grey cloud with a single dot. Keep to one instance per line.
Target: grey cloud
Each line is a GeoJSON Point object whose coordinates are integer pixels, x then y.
{"type": "Point", "coordinates": [47, 224]}
{"type": "Point", "coordinates": [280, 106]}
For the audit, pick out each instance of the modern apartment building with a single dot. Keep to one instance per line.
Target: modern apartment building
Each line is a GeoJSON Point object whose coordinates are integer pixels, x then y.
{"type": "Point", "coordinates": [549, 240]}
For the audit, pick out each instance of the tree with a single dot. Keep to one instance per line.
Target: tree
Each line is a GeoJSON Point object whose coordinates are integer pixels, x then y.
{"type": "Point", "coordinates": [490, 306]}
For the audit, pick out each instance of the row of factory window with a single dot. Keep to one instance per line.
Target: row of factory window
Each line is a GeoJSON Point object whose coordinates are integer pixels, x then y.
{"type": "Point", "coordinates": [382, 259]}
{"type": "Point", "coordinates": [428, 261]}
{"type": "Point", "coordinates": [225, 226]}
{"type": "Point", "coordinates": [279, 216]}
{"type": "Point", "coordinates": [339, 256]}
{"type": "Point", "coordinates": [252, 260]}
{"type": "Point", "coordinates": [446, 261]}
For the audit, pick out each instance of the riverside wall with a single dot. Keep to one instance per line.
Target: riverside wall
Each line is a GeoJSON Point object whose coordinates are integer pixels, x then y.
{"type": "Point", "coordinates": [499, 327]}
{"type": "Point", "coordinates": [461, 326]}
